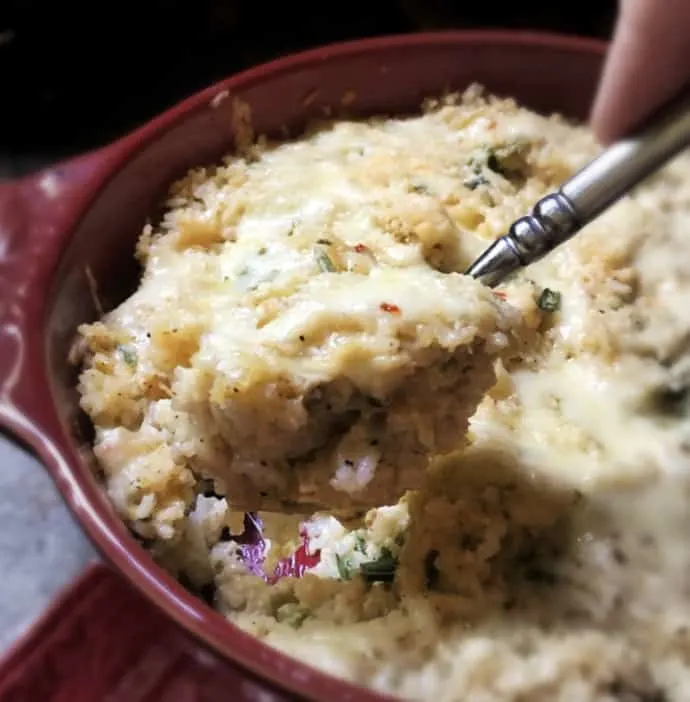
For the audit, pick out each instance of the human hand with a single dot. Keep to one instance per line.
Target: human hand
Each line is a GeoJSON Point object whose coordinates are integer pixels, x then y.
{"type": "Point", "coordinates": [648, 62]}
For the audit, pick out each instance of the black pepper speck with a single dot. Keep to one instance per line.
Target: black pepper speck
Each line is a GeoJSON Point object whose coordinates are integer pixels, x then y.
{"type": "Point", "coordinates": [619, 555]}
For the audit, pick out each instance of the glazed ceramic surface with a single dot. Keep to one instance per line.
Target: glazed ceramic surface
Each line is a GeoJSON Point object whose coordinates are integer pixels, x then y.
{"type": "Point", "coordinates": [102, 642]}
{"type": "Point", "coordinates": [66, 230]}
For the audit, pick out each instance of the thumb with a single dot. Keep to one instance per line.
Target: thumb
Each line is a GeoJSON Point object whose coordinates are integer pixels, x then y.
{"type": "Point", "coordinates": [649, 61]}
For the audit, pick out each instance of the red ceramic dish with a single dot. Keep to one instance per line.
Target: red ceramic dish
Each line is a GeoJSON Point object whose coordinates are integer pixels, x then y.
{"type": "Point", "coordinates": [100, 641]}
{"type": "Point", "coordinates": [85, 215]}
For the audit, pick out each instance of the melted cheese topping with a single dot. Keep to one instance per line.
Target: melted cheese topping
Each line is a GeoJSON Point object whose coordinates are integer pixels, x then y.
{"type": "Point", "coordinates": [303, 333]}
{"type": "Point", "coordinates": [548, 559]}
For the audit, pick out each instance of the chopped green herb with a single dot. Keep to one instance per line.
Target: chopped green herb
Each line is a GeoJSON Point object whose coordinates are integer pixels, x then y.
{"type": "Point", "coordinates": [506, 160]}
{"type": "Point", "coordinates": [360, 544]}
{"type": "Point", "coordinates": [325, 263]}
{"type": "Point", "coordinates": [511, 157]}
{"type": "Point", "coordinates": [291, 613]}
{"type": "Point", "coordinates": [419, 188]}
{"type": "Point", "coordinates": [129, 355]}
{"type": "Point", "coordinates": [262, 250]}
{"type": "Point", "coordinates": [475, 181]}
{"type": "Point", "coordinates": [549, 300]}
{"type": "Point", "coordinates": [344, 567]}
{"type": "Point", "coordinates": [324, 242]}
{"type": "Point", "coordinates": [382, 569]}
{"type": "Point", "coordinates": [484, 157]}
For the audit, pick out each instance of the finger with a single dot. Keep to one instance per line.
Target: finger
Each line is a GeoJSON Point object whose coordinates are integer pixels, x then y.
{"type": "Point", "coordinates": [649, 61]}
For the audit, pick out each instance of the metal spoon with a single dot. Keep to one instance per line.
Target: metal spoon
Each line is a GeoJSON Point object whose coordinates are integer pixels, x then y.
{"type": "Point", "coordinates": [560, 215]}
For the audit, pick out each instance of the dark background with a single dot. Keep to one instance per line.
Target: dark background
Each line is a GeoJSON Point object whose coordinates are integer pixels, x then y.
{"type": "Point", "coordinates": [75, 75]}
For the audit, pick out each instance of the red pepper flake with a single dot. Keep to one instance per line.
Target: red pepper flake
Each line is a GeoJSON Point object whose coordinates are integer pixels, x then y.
{"type": "Point", "coordinates": [500, 295]}
{"type": "Point", "coordinates": [387, 307]}
{"type": "Point", "coordinates": [361, 248]}
{"type": "Point", "coordinates": [296, 565]}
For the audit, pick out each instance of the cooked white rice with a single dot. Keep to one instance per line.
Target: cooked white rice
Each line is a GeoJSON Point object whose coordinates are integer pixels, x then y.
{"type": "Point", "coordinates": [545, 556]}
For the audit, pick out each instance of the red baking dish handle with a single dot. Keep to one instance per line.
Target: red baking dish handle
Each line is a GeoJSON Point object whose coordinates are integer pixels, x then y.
{"type": "Point", "coordinates": [36, 217]}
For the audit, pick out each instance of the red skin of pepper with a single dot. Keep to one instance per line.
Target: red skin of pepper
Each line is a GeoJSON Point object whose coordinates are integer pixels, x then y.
{"type": "Point", "coordinates": [392, 309]}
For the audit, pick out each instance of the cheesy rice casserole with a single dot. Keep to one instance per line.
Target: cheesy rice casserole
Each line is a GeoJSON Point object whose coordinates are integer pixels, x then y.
{"type": "Point", "coordinates": [488, 491]}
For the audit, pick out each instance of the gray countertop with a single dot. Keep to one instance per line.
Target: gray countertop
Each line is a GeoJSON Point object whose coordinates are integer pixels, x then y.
{"type": "Point", "coordinates": [41, 547]}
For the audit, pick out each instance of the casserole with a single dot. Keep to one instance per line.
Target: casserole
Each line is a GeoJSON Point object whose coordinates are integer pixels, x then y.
{"type": "Point", "coordinates": [69, 230]}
